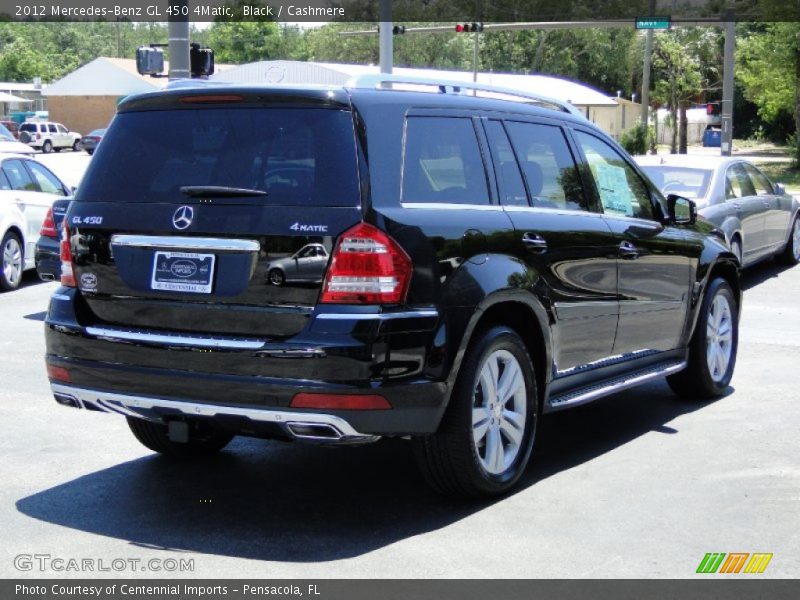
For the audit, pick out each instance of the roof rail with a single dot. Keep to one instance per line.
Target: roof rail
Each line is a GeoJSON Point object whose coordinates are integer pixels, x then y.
{"type": "Point", "coordinates": [384, 82]}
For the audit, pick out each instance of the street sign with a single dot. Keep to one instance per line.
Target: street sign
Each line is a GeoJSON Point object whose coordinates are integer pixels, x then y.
{"type": "Point", "coordinates": [652, 22]}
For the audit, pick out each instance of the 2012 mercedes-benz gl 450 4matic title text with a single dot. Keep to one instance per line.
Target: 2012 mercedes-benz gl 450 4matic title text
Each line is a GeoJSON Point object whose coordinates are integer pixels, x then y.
{"type": "Point", "coordinates": [394, 258]}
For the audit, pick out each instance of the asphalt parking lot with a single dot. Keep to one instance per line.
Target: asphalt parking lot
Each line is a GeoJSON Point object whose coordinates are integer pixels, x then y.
{"type": "Point", "coordinates": [640, 484]}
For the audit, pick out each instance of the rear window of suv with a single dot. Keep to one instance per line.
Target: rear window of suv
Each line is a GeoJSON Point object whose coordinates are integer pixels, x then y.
{"type": "Point", "coordinates": [29, 127]}
{"type": "Point", "coordinates": [298, 156]}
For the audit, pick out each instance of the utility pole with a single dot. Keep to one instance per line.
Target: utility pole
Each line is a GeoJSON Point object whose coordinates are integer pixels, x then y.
{"type": "Point", "coordinates": [386, 43]}
{"type": "Point", "coordinates": [648, 52]}
{"type": "Point", "coordinates": [726, 145]}
{"type": "Point", "coordinates": [178, 26]}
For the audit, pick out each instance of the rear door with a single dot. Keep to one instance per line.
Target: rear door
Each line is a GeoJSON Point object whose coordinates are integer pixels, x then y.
{"type": "Point", "coordinates": [150, 255]}
{"type": "Point", "coordinates": [561, 235]}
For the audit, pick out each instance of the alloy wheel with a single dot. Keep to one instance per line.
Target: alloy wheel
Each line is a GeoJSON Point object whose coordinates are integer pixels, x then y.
{"type": "Point", "coordinates": [499, 411]}
{"type": "Point", "coordinates": [719, 337]}
{"type": "Point", "coordinates": [12, 261]}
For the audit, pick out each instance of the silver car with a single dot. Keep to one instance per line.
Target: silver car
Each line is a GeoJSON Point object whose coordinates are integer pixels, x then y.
{"type": "Point", "coordinates": [758, 217]}
{"type": "Point", "coordinates": [307, 264]}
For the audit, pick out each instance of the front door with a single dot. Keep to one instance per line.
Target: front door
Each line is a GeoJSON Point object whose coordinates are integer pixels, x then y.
{"type": "Point", "coordinates": [654, 277]}
{"type": "Point", "coordinates": [750, 210]}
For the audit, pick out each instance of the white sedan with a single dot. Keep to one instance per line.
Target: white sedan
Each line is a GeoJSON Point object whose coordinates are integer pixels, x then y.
{"type": "Point", "coordinates": [27, 192]}
{"type": "Point", "coordinates": [759, 218]}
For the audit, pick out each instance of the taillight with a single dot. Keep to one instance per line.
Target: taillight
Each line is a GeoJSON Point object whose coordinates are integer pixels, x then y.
{"type": "Point", "coordinates": [368, 267]}
{"type": "Point", "coordinates": [58, 373]}
{"type": "Point", "coordinates": [49, 225]}
{"type": "Point", "coordinates": [67, 273]}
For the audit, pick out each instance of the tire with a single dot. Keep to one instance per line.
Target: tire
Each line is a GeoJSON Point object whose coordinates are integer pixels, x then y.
{"type": "Point", "coordinates": [457, 460]}
{"type": "Point", "coordinates": [47, 147]}
{"type": "Point", "coordinates": [791, 253]}
{"type": "Point", "coordinates": [717, 325]}
{"type": "Point", "coordinates": [203, 441]}
{"type": "Point", "coordinates": [76, 146]}
{"type": "Point", "coordinates": [13, 261]}
{"type": "Point", "coordinates": [24, 137]}
{"type": "Point", "coordinates": [736, 249]}
{"type": "Point", "coordinates": [89, 151]}
{"type": "Point", "coordinates": [276, 277]}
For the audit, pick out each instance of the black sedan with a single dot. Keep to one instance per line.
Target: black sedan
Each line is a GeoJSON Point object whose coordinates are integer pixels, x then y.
{"type": "Point", "coordinates": [48, 250]}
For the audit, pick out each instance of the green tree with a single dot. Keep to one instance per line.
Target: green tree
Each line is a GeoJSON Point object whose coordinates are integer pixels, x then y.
{"type": "Point", "coordinates": [768, 68]}
{"type": "Point", "coordinates": [685, 67]}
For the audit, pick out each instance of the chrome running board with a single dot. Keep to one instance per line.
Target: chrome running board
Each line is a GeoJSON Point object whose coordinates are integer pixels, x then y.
{"type": "Point", "coordinates": [593, 392]}
{"type": "Point", "coordinates": [312, 427]}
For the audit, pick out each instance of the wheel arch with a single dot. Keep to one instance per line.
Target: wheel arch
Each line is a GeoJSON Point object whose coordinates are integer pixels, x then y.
{"type": "Point", "coordinates": [521, 312]}
{"type": "Point", "coordinates": [726, 266]}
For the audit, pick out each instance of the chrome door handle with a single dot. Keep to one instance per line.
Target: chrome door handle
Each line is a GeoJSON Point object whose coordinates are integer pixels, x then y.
{"type": "Point", "coordinates": [628, 251]}
{"type": "Point", "coordinates": [534, 243]}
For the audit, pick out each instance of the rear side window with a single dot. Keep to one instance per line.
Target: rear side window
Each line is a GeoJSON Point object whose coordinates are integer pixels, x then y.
{"type": "Point", "coordinates": [550, 172]}
{"type": "Point", "coordinates": [18, 176]}
{"type": "Point", "coordinates": [442, 162]}
{"type": "Point", "coordinates": [512, 191]}
{"type": "Point", "coordinates": [52, 128]}
{"type": "Point", "coordinates": [298, 156]}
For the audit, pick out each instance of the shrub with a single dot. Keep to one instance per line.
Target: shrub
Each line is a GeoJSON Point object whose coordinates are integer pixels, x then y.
{"type": "Point", "coordinates": [638, 139]}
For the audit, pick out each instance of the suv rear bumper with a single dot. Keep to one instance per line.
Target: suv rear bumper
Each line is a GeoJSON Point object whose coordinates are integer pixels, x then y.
{"type": "Point", "coordinates": [247, 382]}
{"type": "Point", "coordinates": [306, 426]}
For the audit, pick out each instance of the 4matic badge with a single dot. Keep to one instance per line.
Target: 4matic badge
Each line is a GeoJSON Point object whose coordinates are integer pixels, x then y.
{"type": "Point", "coordinates": [309, 228]}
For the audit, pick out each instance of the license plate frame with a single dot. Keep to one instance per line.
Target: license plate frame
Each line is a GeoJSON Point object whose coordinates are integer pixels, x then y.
{"type": "Point", "coordinates": [184, 272]}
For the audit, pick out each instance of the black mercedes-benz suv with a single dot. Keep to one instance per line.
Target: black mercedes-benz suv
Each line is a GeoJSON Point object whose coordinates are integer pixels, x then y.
{"type": "Point", "coordinates": [489, 257]}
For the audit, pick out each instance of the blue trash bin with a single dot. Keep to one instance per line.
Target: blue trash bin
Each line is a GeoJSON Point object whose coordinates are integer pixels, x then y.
{"type": "Point", "coordinates": [712, 138]}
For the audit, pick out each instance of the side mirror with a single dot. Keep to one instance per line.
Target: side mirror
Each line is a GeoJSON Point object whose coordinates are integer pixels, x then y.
{"type": "Point", "coordinates": [780, 189]}
{"type": "Point", "coordinates": [682, 211]}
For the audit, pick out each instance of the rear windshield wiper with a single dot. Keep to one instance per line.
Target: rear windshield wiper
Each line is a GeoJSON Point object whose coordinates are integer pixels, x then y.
{"type": "Point", "coordinates": [218, 191]}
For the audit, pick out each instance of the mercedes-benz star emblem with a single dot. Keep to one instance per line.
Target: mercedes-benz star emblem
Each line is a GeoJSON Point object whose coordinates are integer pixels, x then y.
{"type": "Point", "coordinates": [183, 217]}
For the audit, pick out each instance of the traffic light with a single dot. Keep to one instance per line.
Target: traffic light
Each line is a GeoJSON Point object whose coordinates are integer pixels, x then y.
{"type": "Point", "coordinates": [149, 60]}
{"type": "Point", "coordinates": [398, 30]}
{"type": "Point", "coordinates": [714, 109]}
{"type": "Point", "coordinates": [201, 61]}
{"type": "Point", "coordinates": [469, 27]}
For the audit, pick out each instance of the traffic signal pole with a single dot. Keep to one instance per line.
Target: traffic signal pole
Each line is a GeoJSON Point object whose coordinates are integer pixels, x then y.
{"type": "Point", "coordinates": [726, 145]}
{"type": "Point", "coordinates": [178, 27]}
{"type": "Point", "coordinates": [386, 43]}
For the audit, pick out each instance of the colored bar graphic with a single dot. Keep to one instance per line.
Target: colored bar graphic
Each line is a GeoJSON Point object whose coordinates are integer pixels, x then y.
{"type": "Point", "coordinates": [758, 563]}
{"type": "Point", "coordinates": [734, 562]}
{"type": "Point", "coordinates": [711, 562]}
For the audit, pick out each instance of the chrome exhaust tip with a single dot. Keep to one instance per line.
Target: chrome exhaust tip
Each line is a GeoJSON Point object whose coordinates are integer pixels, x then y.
{"type": "Point", "coordinates": [67, 400]}
{"type": "Point", "coordinates": [321, 432]}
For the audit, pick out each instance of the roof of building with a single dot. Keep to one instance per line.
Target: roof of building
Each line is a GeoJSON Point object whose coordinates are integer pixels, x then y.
{"type": "Point", "coordinates": [298, 72]}
{"type": "Point", "coordinates": [105, 76]}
